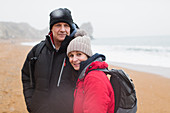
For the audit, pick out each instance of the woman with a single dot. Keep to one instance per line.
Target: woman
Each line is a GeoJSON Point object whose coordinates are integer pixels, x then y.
{"type": "Point", "coordinates": [93, 93]}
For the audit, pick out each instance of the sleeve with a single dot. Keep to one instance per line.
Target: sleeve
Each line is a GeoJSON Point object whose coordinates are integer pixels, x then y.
{"type": "Point", "coordinates": [96, 93]}
{"type": "Point", "coordinates": [27, 88]}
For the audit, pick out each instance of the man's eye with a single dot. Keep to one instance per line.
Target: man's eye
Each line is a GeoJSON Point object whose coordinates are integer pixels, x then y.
{"type": "Point", "coordinates": [57, 25]}
{"type": "Point", "coordinates": [66, 25]}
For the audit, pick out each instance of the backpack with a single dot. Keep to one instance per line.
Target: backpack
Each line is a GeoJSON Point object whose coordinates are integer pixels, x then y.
{"type": "Point", "coordinates": [124, 90]}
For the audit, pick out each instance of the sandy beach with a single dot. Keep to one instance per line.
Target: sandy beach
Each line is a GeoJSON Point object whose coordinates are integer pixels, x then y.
{"type": "Point", "coordinates": [152, 90]}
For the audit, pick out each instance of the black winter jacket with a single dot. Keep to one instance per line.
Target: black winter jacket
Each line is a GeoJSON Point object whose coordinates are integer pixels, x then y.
{"type": "Point", "coordinates": [45, 96]}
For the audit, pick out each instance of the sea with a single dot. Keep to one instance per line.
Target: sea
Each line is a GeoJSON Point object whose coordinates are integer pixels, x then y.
{"type": "Point", "coordinates": [146, 53]}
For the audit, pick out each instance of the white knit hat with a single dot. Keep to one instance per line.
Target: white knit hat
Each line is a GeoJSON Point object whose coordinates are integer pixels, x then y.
{"type": "Point", "coordinates": [80, 43]}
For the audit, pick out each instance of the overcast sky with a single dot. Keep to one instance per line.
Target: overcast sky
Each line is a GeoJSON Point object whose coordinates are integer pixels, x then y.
{"type": "Point", "coordinates": [110, 18]}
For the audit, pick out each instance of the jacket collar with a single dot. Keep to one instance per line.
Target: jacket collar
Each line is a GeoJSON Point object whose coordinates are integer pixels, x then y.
{"type": "Point", "coordinates": [64, 44]}
{"type": "Point", "coordinates": [85, 64]}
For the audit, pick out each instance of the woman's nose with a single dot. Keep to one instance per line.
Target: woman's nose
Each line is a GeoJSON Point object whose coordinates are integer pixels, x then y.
{"type": "Point", "coordinates": [75, 59]}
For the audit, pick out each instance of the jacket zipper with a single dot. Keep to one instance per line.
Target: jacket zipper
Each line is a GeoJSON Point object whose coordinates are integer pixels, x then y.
{"type": "Point", "coordinates": [61, 71]}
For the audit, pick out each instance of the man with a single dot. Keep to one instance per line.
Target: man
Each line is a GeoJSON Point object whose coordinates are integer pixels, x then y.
{"type": "Point", "coordinates": [48, 81]}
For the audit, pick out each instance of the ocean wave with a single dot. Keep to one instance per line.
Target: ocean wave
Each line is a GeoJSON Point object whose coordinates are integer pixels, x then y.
{"type": "Point", "coordinates": [148, 49]}
{"type": "Point", "coordinates": [144, 55]}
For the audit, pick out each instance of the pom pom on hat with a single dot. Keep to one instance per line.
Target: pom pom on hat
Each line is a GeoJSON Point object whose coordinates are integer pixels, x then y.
{"type": "Point", "coordinates": [80, 32]}
{"type": "Point", "coordinates": [80, 43]}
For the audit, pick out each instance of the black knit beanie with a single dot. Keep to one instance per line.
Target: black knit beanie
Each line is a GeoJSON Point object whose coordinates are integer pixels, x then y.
{"type": "Point", "coordinates": [61, 15]}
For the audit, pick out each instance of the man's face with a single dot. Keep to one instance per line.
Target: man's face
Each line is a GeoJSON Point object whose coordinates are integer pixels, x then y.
{"type": "Point", "coordinates": [60, 30]}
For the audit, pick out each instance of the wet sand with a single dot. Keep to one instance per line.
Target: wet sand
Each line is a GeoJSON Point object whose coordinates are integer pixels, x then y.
{"type": "Point", "coordinates": [152, 90]}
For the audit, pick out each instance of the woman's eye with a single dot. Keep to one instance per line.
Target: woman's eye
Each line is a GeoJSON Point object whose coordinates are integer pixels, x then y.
{"type": "Point", "coordinates": [70, 56]}
{"type": "Point", "coordinates": [78, 54]}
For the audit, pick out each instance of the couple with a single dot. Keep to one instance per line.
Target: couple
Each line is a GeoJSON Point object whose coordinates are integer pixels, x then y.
{"type": "Point", "coordinates": [64, 79]}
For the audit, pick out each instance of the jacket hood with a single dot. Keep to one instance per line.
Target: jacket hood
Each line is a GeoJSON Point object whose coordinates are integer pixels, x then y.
{"type": "Point", "coordinates": [85, 64]}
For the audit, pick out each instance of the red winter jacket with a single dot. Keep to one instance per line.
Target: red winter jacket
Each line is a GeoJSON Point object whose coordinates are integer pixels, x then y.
{"type": "Point", "coordinates": [94, 93]}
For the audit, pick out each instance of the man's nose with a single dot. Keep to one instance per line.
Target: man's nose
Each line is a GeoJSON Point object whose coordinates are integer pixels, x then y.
{"type": "Point", "coordinates": [62, 28]}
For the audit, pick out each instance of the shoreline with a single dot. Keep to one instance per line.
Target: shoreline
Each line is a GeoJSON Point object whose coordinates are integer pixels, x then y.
{"type": "Point", "coordinates": [161, 71]}
{"type": "Point", "coordinates": [152, 89]}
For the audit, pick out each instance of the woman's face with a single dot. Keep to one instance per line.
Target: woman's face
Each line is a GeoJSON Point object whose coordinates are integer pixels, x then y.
{"type": "Point", "coordinates": [76, 57]}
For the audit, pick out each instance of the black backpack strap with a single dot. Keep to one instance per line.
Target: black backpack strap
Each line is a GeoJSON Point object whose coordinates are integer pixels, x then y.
{"type": "Point", "coordinates": [105, 70]}
{"type": "Point", "coordinates": [33, 60]}
{"type": "Point", "coordinates": [39, 48]}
